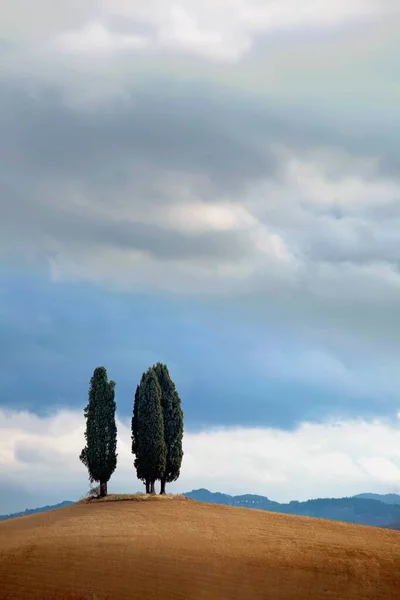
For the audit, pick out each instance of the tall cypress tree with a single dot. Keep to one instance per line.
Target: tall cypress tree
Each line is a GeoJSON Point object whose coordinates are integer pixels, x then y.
{"type": "Point", "coordinates": [138, 462]}
{"type": "Point", "coordinates": [173, 425]}
{"type": "Point", "coordinates": [148, 431]}
{"type": "Point", "coordinates": [99, 455]}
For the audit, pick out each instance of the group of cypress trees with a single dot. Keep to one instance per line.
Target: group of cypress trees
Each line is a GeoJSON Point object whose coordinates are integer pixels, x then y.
{"type": "Point", "coordinates": [157, 429]}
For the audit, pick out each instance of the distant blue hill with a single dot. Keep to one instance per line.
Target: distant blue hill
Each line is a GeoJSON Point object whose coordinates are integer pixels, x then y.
{"type": "Point", "coordinates": [32, 511]}
{"type": "Point", "coordinates": [364, 511]}
{"type": "Point", "coordinates": [387, 498]}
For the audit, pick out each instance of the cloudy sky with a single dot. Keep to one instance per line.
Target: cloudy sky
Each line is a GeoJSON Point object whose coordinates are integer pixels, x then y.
{"type": "Point", "coordinates": [213, 185]}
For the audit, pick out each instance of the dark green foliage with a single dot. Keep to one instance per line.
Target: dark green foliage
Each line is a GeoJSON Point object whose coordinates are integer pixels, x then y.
{"type": "Point", "coordinates": [173, 424]}
{"type": "Point", "coordinates": [99, 455]}
{"type": "Point", "coordinates": [157, 428]}
{"type": "Point", "coordinates": [148, 429]}
{"type": "Point", "coordinates": [140, 470]}
{"type": "Point", "coordinates": [134, 425]}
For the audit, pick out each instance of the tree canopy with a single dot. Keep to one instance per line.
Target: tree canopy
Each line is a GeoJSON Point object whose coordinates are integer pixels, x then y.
{"type": "Point", "coordinates": [173, 425]}
{"type": "Point", "coordinates": [148, 430]}
{"type": "Point", "coordinates": [99, 455]}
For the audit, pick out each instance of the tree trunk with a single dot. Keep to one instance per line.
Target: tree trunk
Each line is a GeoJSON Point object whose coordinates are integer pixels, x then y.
{"type": "Point", "coordinates": [152, 487]}
{"type": "Point", "coordinates": [103, 489]}
{"type": "Point", "coordinates": [147, 486]}
{"type": "Point", "coordinates": [162, 490]}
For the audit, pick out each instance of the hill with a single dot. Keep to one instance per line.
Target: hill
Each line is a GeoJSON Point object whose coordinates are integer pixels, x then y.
{"type": "Point", "coordinates": [387, 498]}
{"type": "Point", "coordinates": [395, 526]}
{"type": "Point", "coordinates": [193, 551]}
{"type": "Point", "coordinates": [363, 511]}
{"type": "Point", "coordinates": [32, 511]}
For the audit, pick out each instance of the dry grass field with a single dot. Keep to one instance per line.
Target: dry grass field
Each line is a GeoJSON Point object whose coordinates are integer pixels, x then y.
{"type": "Point", "coordinates": [177, 549]}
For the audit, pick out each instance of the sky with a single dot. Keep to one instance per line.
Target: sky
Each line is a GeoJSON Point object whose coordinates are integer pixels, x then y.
{"type": "Point", "coordinates": [213, 185]}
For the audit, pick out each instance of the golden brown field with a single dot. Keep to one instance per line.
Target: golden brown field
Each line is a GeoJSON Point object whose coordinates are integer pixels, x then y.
{"type": "Point", "coordinates": [182, 550]}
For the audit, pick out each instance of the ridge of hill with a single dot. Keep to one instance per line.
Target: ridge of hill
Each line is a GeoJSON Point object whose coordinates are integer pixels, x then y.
{"type": "Point", "coordinates": [193, 550]}
{"type": "Point", "coordinates": [387, 498]}
{"type": "Point", "coordinates": [394, 526]}
{"type": "Point", "coordinates": [33, 511]}
{"type": "Point", "coordinates": [365, 509]}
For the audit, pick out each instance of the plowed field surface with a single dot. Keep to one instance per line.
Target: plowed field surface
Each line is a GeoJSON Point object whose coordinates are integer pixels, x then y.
{"type": "Point", "coordinates": [185, 550]}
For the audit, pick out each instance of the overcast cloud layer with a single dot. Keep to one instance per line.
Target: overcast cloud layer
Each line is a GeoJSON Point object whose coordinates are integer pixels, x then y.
{"type": "Point", "coordinates": [232, 166]}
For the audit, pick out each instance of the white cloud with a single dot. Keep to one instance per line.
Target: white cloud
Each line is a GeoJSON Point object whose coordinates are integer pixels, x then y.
{"type": "Point", "coordinates": [183, 32]}
{"type": "Point", "coordinates": [95, 38]}
{"type": "Point", "coordinates": [222, 30]}
{"type": "Point", "coordinates": [225, 31]}
{"type": "Point", "coordinates": [198, 216]}
{"type": "Point", "coordinates": [330, 459]}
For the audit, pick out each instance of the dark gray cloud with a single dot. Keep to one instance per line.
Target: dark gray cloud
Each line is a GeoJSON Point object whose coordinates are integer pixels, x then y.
{"type": "Point", "coordinates": [119, 153]}
{"type": "Point", "coordinates": [194, 128]}
{"type": "Point", "coordinates": [155, 240]}
{"type": "Point", "coordinates": [183, 129]}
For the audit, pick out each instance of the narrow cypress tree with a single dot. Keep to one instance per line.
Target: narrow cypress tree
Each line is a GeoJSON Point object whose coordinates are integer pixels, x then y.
{"type": "Point", "coordinates": [138, 462]}
{"type": "Point", "coordinates": [149, 431]}
{"type": "Point", "coordinates": [99, 455]}
{"type": "Point", "coordinates": [173, 425]}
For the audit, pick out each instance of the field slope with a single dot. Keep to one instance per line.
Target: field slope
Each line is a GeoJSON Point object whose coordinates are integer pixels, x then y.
{"type": "Point", "coordinates": [184, 550]}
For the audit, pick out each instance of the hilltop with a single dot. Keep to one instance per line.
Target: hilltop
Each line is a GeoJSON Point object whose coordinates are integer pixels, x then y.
{"type": "Point", "coordinates": [182, 549]}
{"type": "Point", "coordinates": [365, 509]}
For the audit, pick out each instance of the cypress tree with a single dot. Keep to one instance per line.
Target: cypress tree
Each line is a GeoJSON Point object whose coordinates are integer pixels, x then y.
{"type": "Point", "coordinates": [173, 425]}
{"type": "Point", "coordinates": [135, 442]}
{"type": "Point", "coordinates": [148, 431]}
{"type": "Point", "coordinates": [99, 455]}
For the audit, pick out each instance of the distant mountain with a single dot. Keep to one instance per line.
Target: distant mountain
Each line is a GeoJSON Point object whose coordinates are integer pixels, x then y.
{"type": "Point", "coordinates": [386, 498]}
{"type": "Point", "coordinates": [31, 511]}
{"type": "Point", "coordinates": [364, 511]}
{"type": "Point", "coordinates": [246, 500]}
